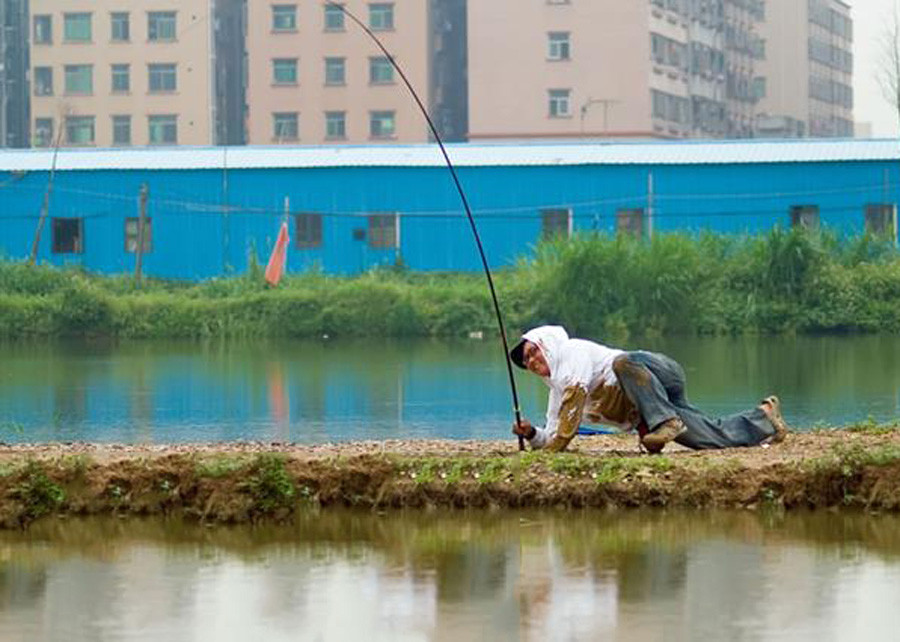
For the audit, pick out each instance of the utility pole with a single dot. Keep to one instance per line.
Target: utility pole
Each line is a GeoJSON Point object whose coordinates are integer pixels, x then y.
{"type": "Point", "coordinates": [649, 205]}
{"type": "Point", "coordinates": [46, 204]}
{"type": "Point", "coordinates": [139, 251]}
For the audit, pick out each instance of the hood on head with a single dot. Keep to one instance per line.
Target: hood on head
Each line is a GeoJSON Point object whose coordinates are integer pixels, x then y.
{"type": "Point", "coordinates": [548, 338]}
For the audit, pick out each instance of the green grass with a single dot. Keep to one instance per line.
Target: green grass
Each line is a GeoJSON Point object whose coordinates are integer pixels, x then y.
{"type": "Point", "coordinates": [783, 281]}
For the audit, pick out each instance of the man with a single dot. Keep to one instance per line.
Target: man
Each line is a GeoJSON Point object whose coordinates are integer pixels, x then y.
{"type": "Point", "coordinates": [631, 390]}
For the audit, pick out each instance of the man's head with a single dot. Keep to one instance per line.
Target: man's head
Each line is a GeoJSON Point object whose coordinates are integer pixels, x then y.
{"type": "Point", "coordinates": [534, 360]}
{"type": "Point", "coordinates": [539, 349]}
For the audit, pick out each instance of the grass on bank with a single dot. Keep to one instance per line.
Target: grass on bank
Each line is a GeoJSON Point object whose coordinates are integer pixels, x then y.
{"type": "Point", "coordinates": [785, 281]}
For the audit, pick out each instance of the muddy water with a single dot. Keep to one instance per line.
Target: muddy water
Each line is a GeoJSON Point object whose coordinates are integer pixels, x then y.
{"type": "Point", "coordinates": [314, 392]}
{"type": "Point", "coordinates": [501, 576]}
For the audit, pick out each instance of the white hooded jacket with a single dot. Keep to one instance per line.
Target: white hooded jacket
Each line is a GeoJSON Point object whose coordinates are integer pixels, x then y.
{"type": "Point", "coordinates": [581, 380]}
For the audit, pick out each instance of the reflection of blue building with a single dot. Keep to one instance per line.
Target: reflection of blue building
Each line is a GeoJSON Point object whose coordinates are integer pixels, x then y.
{"type": "Point", "coordinates": [355, 207]}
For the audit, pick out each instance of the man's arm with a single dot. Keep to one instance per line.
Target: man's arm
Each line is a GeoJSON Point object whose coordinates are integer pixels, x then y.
{"type": "Point", "coordinates": [563, 419]}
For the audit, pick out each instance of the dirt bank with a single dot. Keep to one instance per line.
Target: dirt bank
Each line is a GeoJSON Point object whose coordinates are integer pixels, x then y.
{"type": "Point", "coordinates": [243, 482]}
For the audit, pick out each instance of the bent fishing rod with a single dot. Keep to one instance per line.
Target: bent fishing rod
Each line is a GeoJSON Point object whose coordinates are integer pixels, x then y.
{"type": "Point", "coordinates": [462, 196]}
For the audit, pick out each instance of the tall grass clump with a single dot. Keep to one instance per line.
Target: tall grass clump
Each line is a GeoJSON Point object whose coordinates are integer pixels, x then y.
{"type": "Point", "coordinates": [595, 284]}
{"type": "Point", "coordinates": [617, 284]}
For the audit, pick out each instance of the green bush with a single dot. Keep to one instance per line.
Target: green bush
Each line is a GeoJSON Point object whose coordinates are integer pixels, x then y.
{"type": "Point", "coordinates": [785, 281]}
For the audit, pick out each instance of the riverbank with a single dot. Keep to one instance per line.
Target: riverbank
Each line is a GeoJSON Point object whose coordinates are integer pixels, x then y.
{"type": "Point", "coordinates": [796, 281]}
{"type": "Point", "coordinates": [250, 482]}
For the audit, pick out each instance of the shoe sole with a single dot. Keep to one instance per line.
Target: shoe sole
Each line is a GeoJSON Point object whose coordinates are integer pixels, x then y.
{"type": "Point", "coordinates": [655, 446]}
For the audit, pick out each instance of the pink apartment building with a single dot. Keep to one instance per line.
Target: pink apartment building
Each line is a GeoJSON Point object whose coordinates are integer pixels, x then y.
{"type": "Point", "coordinates": [115, 73]}
{"type": "Point", "coordinates": [608, 68]}
{"type": "Point", "coordinates": [314, 77]}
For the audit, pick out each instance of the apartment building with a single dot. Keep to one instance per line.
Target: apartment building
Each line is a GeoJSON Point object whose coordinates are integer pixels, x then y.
{"type": "Point", "coordinates": [14, 73]}
{"type": "Point", "coordinates": [808, 70]}
{"type": "Point", "coordinates": [605, 68]}
{"type": "Point", "coordinates": [116, 73]}
{"type": "Point", "coordinates": [315, 77]}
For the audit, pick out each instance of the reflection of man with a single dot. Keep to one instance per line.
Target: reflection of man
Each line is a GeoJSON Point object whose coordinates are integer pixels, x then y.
{"type": "Point", "coordinates": [632, 390]}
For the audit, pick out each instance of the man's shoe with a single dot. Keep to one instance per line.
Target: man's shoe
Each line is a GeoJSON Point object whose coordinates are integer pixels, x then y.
{"type": "Point", "coordinates": [667, 431]}
{"type": "Point", "coordinates": [771, 406]}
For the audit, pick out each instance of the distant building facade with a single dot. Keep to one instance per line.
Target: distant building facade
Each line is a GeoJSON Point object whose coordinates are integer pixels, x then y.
{"type": "Point", "coordinates": [655, 69]}
{"type": "Point", "coordinates": [109, 73]}
{"type": "Point", "coordinates": [14, 104]}
{"type": "Point", "coordinates": [314, 77]}
{"type": "Point", "coordinates": [808, 71]}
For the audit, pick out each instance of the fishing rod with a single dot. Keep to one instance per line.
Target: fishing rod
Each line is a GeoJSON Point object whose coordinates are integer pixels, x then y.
{"type": "Point", "coordinates": [465, 202]}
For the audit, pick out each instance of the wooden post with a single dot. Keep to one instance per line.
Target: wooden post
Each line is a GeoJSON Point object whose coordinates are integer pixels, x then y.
{"type": "Point", "coordinates": [45, 207]}
{"type": "Point", "coordinates": [139, 251]}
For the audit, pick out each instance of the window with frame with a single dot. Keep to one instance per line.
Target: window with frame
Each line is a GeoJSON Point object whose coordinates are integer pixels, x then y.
{"type": "Point", "coordinates": [119, 27]}
{"type": "Point", "coordinates": [162, 77]}
{"type": "Point", "coordinates": [79, 79]}
{"type": "Point", "coordinates": [162, 129]}
{"type": "Point", "coordinates": [80, 130]}
{"type": "Point", "coordinates": [67, 235]}
{"type": "Point", "coordinates": [334, 18]}
{"type": "Point", "coordinates": [284, 71]}
{"type": "Point", "coordinates": [284, 17]}
{"type": "Point", "coordinates": [161, 26]}
{"type": "Point", "coordinates": [77, 27]}
{"type": "Point", "coordinates": [382, 124]}
{"type": "Point", "coordinates": [559, 44]}
{"type": "Point", "coordinates": [335, 125]}
{"type": "Point", "coordinates": [133, 235]}
{"type": "Point", "coordinates": [121, 78]}
{"type": "Point", "coordinates": [560, 103]}
{"type": "Point", "coordinates": [881, 219]}
{"type": "Point", "coordinates": [381, 71]}
{"type": "Point", "coordinates": [286, 126]}
{"type": "Point", "coordinates": [121, 126]}
{"type": "Point", "coordinates": [43, 132]}
{"type": "Point", "coordinates": [43, 30]}
{"type": "Point", "coordinates": [335, 71]}
{"type": "Point", "coordinates": [806, 216]}
{"type": "Point", "coordinates": [381, 16]}
{"type": "Point", "coordinates": [43, 81]}
{"type": "Point", "coordinates": [382, 230]}
{"type": "Point", "coordinates": [556, 223]}
{"type": "Point", "coordinates": [630, 222]}
{"type": "Point", "coordinates": [308, 230]}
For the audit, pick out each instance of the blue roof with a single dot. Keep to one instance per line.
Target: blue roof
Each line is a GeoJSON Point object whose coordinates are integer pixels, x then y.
{"type": "Point", "coordinates": [462, 155]}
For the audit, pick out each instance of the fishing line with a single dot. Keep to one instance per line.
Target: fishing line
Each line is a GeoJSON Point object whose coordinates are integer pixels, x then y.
{"type": "Point", "coordinates": [465, 202]}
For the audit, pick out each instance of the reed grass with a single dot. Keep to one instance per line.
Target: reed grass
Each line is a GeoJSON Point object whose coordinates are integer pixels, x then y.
{"type": "Point", "coordinates": [784, 281]}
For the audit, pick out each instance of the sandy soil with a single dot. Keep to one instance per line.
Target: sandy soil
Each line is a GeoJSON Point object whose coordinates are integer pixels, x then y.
{"type": "Point", "coordinates": [798, 446]}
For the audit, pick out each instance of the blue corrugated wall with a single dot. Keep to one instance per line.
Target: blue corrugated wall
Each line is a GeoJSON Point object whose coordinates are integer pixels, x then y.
{"type": "Point", "coordinates": [206, 222]}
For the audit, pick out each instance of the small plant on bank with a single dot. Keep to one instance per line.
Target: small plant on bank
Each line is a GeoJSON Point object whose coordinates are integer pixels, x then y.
{"type": "Point", "coordinates": [37, 492]}
{"type": "Point", "coordinates": [270, 485]}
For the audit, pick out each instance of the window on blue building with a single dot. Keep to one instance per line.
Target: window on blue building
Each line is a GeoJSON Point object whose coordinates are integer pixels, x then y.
{"type": "Point", "coordinates": [383, 230]}
{"type": "Point", "coordinates": [556, 223]}
{"type": "Point", "coordinates": [881, 219]}
{"type": "Point", "coordinates": [630, 222]}
{"type": "Point", "coordinates": [133, 234]}
{"type": "Point", "coordinates": [308, 230]}
{"type": "Point", "coordinates": [68, 235]}
{"type": "Point", "coordinates": [805, 216]}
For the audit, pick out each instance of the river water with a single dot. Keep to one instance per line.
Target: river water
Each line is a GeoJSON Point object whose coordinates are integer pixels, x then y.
{"type": "Point", "coordinates": [314, 392]}
{"type": "Point", "coordinates": [628, 576]}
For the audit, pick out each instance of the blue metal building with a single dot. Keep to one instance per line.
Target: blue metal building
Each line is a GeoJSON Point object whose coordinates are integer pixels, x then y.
{"type": "Point", "coordinates": [352, 208]}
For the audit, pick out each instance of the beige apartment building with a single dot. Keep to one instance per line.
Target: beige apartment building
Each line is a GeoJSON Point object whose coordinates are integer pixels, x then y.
{"type": "Point", "coordinates": [121, 72]}
{"type": "Point", "coordinates": [808, 70]}
{"type": "Point", "coordinates": [607, 68]}
{"type": "Point", "coordinates": [315, 77]}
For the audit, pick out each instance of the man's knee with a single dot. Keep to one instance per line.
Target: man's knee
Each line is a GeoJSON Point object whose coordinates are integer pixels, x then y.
{"type": "Point", "coordinates": [627, 368]}
{"type": "Point", "coordinates": [621, 364]}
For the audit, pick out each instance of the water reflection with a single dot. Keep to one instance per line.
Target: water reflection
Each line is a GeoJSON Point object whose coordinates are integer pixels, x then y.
{"type": "Point", "coordinates": [331, 391]}
{"type": "Point", "coordinates": [527, 576]}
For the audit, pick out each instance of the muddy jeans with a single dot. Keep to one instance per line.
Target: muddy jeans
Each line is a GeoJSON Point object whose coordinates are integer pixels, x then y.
{"type": "Point", "coordinates": [656, 385]}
